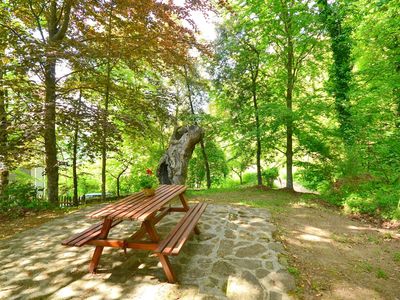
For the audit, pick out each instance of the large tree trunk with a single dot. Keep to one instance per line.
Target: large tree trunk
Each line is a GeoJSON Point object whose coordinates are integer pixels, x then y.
{"type": "Point", "coordinates": [75, 150]}
{"type": "Point", "coordinates": [341, 72]}
{"type": "Point", "coordinates": [203, 148]}
{"type": "Point", "coordinates": [105, 116]}
{"type": "Point", "coordinates": [289, 102]}
{"type": "Point", "coordinates": [257, 118]}
{"type": "Point", "coordinates": [57, 25]}
{"type": "Point", "coordinates": [173, 166]}
{"type": "Point", "coordinates": [3, 138]}
{"type": "Point", "coordinates": [50, 131]}
{"type": "Point", "coordinates": [206, 163]}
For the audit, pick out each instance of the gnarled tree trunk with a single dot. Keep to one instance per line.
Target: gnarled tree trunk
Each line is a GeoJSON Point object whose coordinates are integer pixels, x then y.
{"type": "Point", "coordinates": [173, 166]}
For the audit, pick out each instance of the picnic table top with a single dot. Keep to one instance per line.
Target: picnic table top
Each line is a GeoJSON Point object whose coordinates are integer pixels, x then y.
{"type": "Point", "coordinates": [138, 206]}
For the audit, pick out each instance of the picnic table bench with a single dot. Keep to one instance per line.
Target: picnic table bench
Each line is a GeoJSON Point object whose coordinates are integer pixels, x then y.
{"type": "Point", "coordinates": [148, 211]}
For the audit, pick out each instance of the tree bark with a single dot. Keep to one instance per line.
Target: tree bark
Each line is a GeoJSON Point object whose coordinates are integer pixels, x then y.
{"type": "Point", "coordinates": [50, 131]}
{"type": "Point", "coordinates": [206, 163]}
{"type": "Point", "coordinates": [203, 148]}
{"type": "Point", "coordinates": [257, 119]}
{"type": "Point", "coordinates": [75, 150]}
{"type": "Point", "coordinates": [105, 116]}
{"type": "Point", "coordinates": [341, 72]}
{"type": "Point", "coordinates": [57, 28]}
{"type": "Point", "coordinates": [173, 166]}
{"type": "Point", "coordinates": [289, 102]}
{"type": "Point", "coordinates": [3, 138]}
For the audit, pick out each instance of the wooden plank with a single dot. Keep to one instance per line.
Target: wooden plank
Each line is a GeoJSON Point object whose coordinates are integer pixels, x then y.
{"type": "Point", "coordinates": [92, 232]}
{"type": "Point", "coordinates": [99, 249]}
{"type": "Point", "coordinates": [147, 204]}
{"type": "Point", "coordinates": [164, 211]}
{"type": "Point", "coordinates": [178, 246]}
{"type": "Point", "coordinates": [159, 204]}
{"type": "Point", "coordinates": [147, 200]}
{"type": "Point", "coordinates": [177, 209]}
{"type": "Point", "coordinates": [137, 206]}
{"type": "Point", "coordinates": [122, 204]}
{"type": "Point", "coordinates": [124, 244]}
{"type": "Point", "coordinates": [183, 231]}
{"type": "Point", "coordinates": [143, 201]}
{"type": "Point", "coordinates": [175, 233]}
{"type": "Point", "coordinates": [169, 272]}
{"type": "Point", "coordinates": [104, 210]}
{"type": "Point", "coordinates": [185, 204]}
{"type": "Point", "coordinates": [75, 236]}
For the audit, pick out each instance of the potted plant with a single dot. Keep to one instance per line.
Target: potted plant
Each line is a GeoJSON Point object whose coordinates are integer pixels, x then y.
{"type": "Point", "coordinates": [148, 183]}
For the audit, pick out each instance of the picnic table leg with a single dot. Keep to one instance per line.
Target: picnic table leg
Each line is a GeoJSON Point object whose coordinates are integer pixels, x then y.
{"type": "Point", "coordinates": [151, 230]}
{"type": "Point", "coordinates": [186, 206]}
{"type": "Point", "coordinates": [99, 249]}
{"type": "Point", "coordinates": [167, 268]}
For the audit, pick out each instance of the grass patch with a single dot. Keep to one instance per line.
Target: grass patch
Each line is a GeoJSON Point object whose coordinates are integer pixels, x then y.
{"type": "Point", "coordinates": [381, 274]}
{"type": "Point", "coordinates": [274, 199]}
{"type": "Point", "coordinates": [294, 271]}
{"type": "Point", "coordinates": [396, 257]}
{"type": "Point", "coordinates": [365, 266]}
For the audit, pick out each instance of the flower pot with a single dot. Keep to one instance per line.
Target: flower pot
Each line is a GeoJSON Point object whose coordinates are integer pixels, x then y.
{"type": "Point", "coordinates": [149, 192]}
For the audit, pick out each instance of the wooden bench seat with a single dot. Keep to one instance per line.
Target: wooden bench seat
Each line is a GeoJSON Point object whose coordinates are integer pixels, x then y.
{"type": "Point", "coordinates": [174, 242]}
{"type": "Point", "coordinates": [80, 239]}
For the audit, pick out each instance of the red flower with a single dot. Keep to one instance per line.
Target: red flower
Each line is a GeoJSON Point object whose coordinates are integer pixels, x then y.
{"type": "Point", "coordinates": [149, 172]}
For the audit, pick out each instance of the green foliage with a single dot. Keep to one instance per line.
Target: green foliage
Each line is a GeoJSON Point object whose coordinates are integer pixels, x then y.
{"type": "Point", "coordinates": [217, 162]}
{"type": "Point", "coordinates": [250, 178]}
{"type": "Point", "coordinates": [148, 180]}
{"type": "Point", "coordinates": [381, 274]}
{"type": "Point", "coordinates": [366, 196]}
{"type": "Point", "coordinates": [315, 176]}
{"type": "Point", "coordinates": [396, 257]}
{"type": "Point", "coordinates": [19, 197]}
{"type": "Point", "coordinates": [270, 175]}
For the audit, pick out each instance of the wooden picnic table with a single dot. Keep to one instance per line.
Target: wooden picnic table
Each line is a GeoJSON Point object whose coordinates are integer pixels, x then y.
{"type": "Point", "coordinates": [148, 211]}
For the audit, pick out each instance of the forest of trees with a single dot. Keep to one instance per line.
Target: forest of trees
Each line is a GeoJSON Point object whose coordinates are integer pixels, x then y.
{"type": "Point", "coordinates": [92, 90]}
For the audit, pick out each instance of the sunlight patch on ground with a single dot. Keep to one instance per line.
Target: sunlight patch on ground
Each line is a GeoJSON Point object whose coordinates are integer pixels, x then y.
{"type": "Point", "coordinates": [316, 231]}
{"type": "Point", "coordinates": [374, 229]}
{"type": "Point", "coordinates": [314, 238]}
{"type": "Point", "coordinates": [238, 288]}
{"type": "Point", "coordinates": [344, 290]}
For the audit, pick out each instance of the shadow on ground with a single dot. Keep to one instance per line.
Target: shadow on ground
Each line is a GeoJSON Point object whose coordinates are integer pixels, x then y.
{"type": "Point", "coordinates": [234, 257]}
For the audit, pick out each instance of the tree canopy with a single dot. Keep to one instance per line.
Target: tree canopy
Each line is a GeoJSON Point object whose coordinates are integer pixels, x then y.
{"type": "Point", "coordinates": [91, 91]}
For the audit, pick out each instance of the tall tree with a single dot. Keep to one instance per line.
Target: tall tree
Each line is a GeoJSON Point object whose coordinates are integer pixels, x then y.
{"type": "Point", "coordinates": [240, 56]}
{"type": "Point", "coordinates": [57, 18]}
{"type": "Point", "coordinates": [203, 149]}
{"type": "Point", "coordinates": [333, 16]}
{"type": "Point", "coordinates": [294, 34]}
{"type": "Point", "coordinates": [3, 136]}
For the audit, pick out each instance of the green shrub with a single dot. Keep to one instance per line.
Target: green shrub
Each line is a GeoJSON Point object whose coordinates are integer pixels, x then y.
{"type": "Point", "coordinates": [19, 197]}
{"type": "Point", "coordinates": [270, 175]}
{"type": "Point", "coordinates": [250, 178]}
{"type": "Point", "coordinates": [373, 198]}
{"type": "Point", "coordinates": [316, 177]}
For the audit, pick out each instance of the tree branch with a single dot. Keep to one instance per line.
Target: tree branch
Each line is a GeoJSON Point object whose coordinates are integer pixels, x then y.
{"type": "Point", "coordinates": [37, 19]}
{"type": "Point", "coordinates": [64, 26]}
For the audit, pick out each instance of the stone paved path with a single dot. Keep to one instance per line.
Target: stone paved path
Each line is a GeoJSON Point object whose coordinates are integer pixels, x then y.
{"type": "Point", "coordinates": [235, 257]}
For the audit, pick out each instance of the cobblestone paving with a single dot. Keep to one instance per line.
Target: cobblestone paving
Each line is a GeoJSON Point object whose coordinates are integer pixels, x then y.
{"type": "Point", "coordinates": [234, 257]}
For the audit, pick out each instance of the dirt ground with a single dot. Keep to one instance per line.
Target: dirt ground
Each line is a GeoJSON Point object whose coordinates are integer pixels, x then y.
{"type": "Point", "coordinates": [331, 255]}
{"type": "Point", "coordinates": [10, 226]}
{"type": "Point", "coordinates": [335, 257]}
